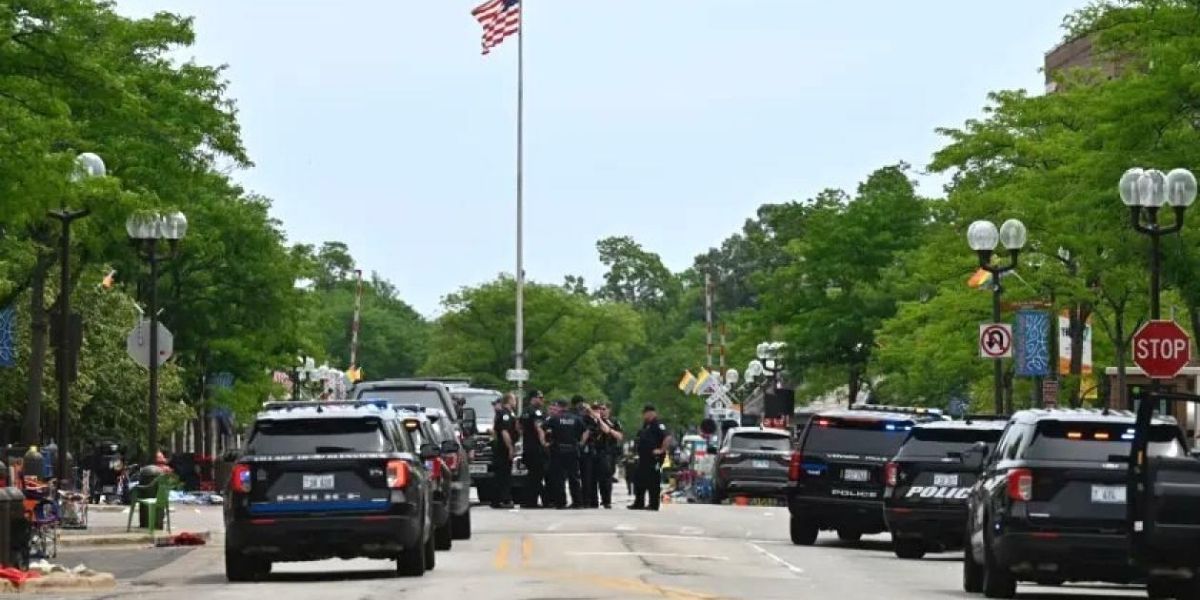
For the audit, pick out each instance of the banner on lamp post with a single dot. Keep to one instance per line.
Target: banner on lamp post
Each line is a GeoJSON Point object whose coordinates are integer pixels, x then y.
{"type": "Point", "coordinates": [1033, 343]}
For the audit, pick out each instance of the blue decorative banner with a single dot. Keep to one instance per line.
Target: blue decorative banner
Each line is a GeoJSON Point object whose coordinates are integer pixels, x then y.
{"type": "Point", "coordinates": [8, 337]}
{"type": "Point", "coordinates": [1032, 343]}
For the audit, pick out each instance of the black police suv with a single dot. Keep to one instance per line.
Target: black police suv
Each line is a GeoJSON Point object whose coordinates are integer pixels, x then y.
{"type": "Point", "coordinates": [431, 395]}
{"type": "Point", "coordinates": [319, 480]}
{"type": "Point", "coordinates": [836, 473]}
{"type": "Point", "coordinates": [1049, 505]}
{"type": "Point", "coordinates": [447, 436]}
{"type": "Point", "coordinates": [421, 431]}
{"type": "Point", "coordinates": [929, 480]}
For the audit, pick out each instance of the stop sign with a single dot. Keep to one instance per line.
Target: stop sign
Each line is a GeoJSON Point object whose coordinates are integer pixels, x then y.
{"type": "Point", "coordinates": [1161, 349]}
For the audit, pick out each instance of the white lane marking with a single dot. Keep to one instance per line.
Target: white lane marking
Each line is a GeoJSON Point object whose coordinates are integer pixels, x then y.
{"type": "Point", "coordinates": [553, 526]}
{"type": "Point", "coordinates": [664, 536]}
{"type": "Point", "coordinates": [656, 554]}
{"type": "Point", "coordinates": [691, 531]}
{"type": "Point", "coordinates": [783, 563]}
{"type": "Point", "coordinates": [624, 527]}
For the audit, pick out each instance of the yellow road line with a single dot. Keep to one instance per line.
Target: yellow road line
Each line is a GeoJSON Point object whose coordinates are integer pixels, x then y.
{"type": "Point", "coordinates": [500, 561]}
{"type": "Point", "coordinates": [526, 550]}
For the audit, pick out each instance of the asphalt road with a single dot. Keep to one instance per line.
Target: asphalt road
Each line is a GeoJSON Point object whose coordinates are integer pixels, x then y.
{"type": "Point", "coordinates": [684, 552]}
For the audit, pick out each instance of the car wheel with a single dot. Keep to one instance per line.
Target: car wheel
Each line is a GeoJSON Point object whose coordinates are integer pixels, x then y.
{"type": "Point", "coordinates": [411, 562]}
{"type": "Point", "coordinates": [242, 568]}
{"type": "Point", "coordinates": [998, 582]}
{"type": "Point", "coordinates": [460, 526]}
{"type": "Point", "coordinates": [849, 535]}
{"type": "Point", "coordinates": [430, 553]}
{"type": "Point", "coordinates": [1164, 589]}
{"type": "Point", "coordinates": [804, 531]}
{"type": "Point", "coordinates": [908, 549]}
{"type": "Point", "coordinates": [443, 536]}
{"type": "Point", "coordinates": [972, 571]}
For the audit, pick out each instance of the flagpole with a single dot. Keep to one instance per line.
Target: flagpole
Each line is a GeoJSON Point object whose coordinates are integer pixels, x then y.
{"type": "Point", "coordinates": [519, 353]}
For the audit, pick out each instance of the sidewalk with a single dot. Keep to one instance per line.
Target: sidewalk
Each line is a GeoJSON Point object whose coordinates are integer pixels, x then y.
{"type": "Point", "coordinates": [106, 526]}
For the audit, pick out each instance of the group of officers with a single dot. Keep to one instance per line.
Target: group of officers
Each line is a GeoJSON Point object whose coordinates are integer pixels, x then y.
{"type": "Point", "coordinates": [573, 444]}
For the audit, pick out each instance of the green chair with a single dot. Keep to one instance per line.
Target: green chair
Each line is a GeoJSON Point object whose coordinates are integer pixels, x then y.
{"type": "Point", "coordinates": [160, 500]}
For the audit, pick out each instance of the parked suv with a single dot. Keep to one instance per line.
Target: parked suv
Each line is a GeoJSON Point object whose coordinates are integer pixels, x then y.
{"type": "Point", "coordinates": [835, 476]}
{"type": "Point", "coordinates": [753, 461]}
{"type": "Point", "coordinates": [320, 480]}
{"type": "Point", "coordinates": [929, 480]}
{"type": "Point", "coordinates": [432, 396]}
{"type": "Point", "coordinates": [421, 432]}
{"type": "Point", "coordinates": [1049, 505]}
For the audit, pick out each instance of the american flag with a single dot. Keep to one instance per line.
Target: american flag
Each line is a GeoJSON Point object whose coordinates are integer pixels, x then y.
{"type": "Point", "coordinates": [500, 19]}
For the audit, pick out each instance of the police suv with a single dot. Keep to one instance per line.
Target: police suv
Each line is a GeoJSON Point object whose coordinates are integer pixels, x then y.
{"type": "Point", "coordinates": [836, 475]}
{"type": "Point", "coordinates": [1049, 505]}
{"type": "Point", "coordinates": [320, 480]}
{"type": "Point", "coordinates": [929, 480]}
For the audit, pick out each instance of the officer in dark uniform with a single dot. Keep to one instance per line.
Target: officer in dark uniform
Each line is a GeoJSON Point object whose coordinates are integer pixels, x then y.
{"type": "Point", "coordinates": [652, 442]}
{"type": "Point", "coordinates": [606, 439]}
{"type": "Point", "coordinates": [504, 440]}
{"type": "Point", "coordinates": [533, 451]}
{"type": "Point", "coordinates": [566, 434]}
{"type": "Point", "coordinates": [587, 452]}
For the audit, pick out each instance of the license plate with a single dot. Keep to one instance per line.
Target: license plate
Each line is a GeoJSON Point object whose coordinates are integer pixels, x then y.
{"type": "Point", "coordinates": [318, 482]}
{"type": "Point", "coordinates": [1108, 494]}
{"type": "Point", "coordinates": [478, 469]}
{"type": "Point", "coordinates": [855, 474]}
{"type": "Point", "coordinates": [945, 480]}
{"type": "Point", "coordinates": [761, 464]}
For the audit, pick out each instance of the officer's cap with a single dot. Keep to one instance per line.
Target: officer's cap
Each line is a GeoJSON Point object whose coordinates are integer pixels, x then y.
{"type": "Point", "coordinates": [577, 399]}
{"type": "Point", "coordinates": [648, 408]}
{"type": "Point", "coordinates": [561, 403]}
{"type": "Point", "coordinates": [536, 394]}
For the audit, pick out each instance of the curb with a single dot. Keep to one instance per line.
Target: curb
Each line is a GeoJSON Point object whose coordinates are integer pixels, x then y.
{"type": "Point", "coordinates": [58, 582]}
{"type": "Point", "coordinates": [123, 539]}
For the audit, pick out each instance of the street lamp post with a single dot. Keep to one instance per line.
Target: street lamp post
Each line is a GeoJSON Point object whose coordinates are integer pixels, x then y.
{"type": "Point", "coordinates": [983, 237]}
{"type": "Point", "coordinates": [1145, 193]}
{"type": "Point", "coordinates": [87, 165]}
{"type": "Point", "coordinates": [146, 231]}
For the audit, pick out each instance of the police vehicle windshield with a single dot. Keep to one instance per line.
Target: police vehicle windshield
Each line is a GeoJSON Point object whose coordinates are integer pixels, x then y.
{"type": "Point", "coordinates": [760, 441]}
{"type": "Point", "coordinates": [482, 403]}
{"type": "Point", "coordinates": [317, 436]}
{"type": "Point", "coordinates": [1098, 442]}
{"type": "Point", "coordinates": [415, 396]}
{"type": "Point", "coordinates": [875, 437]}
{"type": "Point", "coordinates": [939, 442]}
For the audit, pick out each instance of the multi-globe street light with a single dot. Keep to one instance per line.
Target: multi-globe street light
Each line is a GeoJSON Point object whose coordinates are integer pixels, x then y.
{"type": "Point", "coordinates": [147, 231]}
{"type": "Point", "coordinates": [983, 237]}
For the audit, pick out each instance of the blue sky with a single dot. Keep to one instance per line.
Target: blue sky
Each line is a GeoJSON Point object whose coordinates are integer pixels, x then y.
{"type": "Point", "coordinates": [378, 123]}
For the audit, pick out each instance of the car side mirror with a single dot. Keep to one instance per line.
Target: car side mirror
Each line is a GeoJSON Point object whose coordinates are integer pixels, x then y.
{"type": "Point", "coordinates": [429, 451]}
{"type": "Point", "coordinates": [468, 421]}
{"type": "Point", "coordinates": [449, 447]}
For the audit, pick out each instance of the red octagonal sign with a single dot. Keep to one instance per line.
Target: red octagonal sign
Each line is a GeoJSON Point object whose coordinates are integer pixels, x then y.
{"type": "Point", "coordinates": [1162, 349]}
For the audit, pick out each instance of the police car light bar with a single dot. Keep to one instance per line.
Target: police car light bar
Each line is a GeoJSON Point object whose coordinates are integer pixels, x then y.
{"type": "Point", "coordinates": [321, 404]}
{"type": "Point", "coordinates": [985, 417]}
{"type": "Point", "coordinates": [909, 410]}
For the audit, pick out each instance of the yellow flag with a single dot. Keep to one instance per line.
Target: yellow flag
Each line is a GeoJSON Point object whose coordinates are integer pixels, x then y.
{"type": "Point", "coordinates": [702, 380]}
{"type": "Point", "coordinates": [687, 383]}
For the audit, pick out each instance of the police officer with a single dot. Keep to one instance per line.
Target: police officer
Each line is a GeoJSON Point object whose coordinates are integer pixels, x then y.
{"type": "Point", "coordinates": [652, 443]}
{"type": "Point", "coordinates": [606, 440]}
{"type": "Point", "coordinates": [587, 452]}
{"type": "Point", "coordinates": [566, 434]}
{"type": "Point", "coordinates": [504, 440]}
{"type": "Point", "coordinates": [533, 450]}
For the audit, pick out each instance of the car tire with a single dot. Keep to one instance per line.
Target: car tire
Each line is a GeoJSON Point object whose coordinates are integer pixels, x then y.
{"type": "Point", "coordinates": [849, 535]}
{"type": "Point", "coordinates": [804, 531]}
{"type": "Point", "coordinates": [460, 526]}
{"type": "Point", "coordinates": [430, 553]}
{"type": "Point", "coordinates": [998, 582]}
{"type": "Point", "coordinates": [1165, 589]}
{"type": "Point", "coordinates": [972, 578]}
{"type": "Point", "coordinates": [443, 537]}
{"type": "Point", "coordinates": [909, 549]}
{"type": "Point", "coordinates": [411, 562]}
{"type": "Point", "coordinates": [240, 568]}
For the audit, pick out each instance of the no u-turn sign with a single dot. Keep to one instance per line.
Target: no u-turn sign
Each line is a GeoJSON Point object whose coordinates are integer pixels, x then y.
{"type": "Point", "coordinates": [995, 340]}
